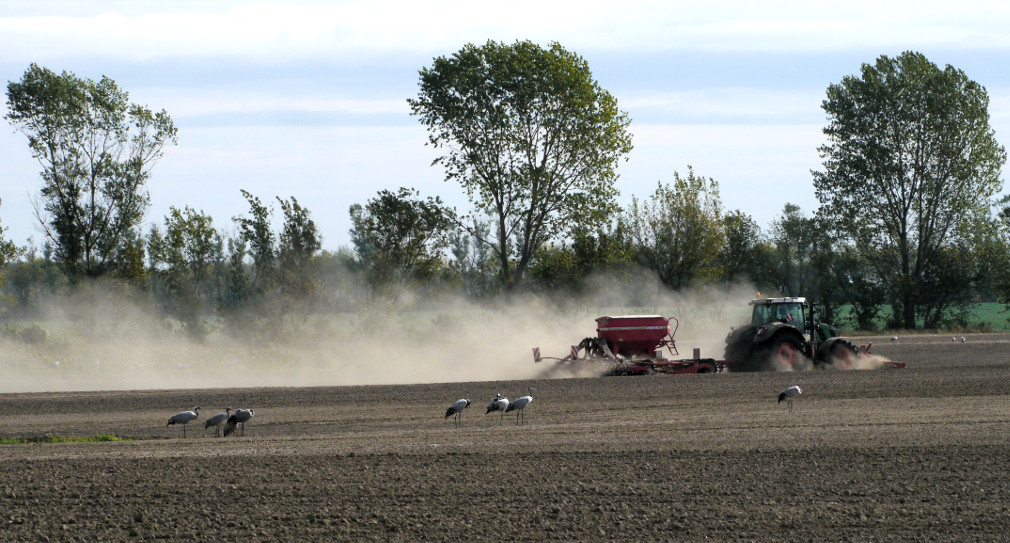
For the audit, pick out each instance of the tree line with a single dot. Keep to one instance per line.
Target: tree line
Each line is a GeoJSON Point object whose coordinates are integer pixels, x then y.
{"type": "Point", "coordinates": [910, 227]}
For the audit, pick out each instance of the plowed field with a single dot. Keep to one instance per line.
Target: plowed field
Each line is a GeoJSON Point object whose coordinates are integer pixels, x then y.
{"type": "Point", "coordinates": [919, 454]}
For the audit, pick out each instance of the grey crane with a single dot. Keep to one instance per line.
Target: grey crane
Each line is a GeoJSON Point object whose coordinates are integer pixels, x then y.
{"type": "Point", "coordinates": [240, 416]}
{"type": "Point", "coordinates": [184, 418]}
{"type": "Point", "coordinates": [456, 409]}
{"type": "Point", "coordinates": [216, 421]}
{"type": "Point", "coordinates": [499, 403]}
{"type": "Point", "coordinates": [789, 394]}
{"type": "Point", "coordinates": [519, 406]}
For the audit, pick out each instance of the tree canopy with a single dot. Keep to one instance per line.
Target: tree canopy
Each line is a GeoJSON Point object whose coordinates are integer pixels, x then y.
{"type": "Point", "coordinates": [399, 237]}
{"type": "Point", "coordinates": [96, 150]}
{"type": "Point", "coordinates": [184, 258]}
{"type": "Point", "coordinates": [530, 136]}
{"type": "Point", "coordinates": [8, 252]}
{"type": "Point", "coordinates": [910, 165]}
{"type": "Point", "coordinates": [679, 231]}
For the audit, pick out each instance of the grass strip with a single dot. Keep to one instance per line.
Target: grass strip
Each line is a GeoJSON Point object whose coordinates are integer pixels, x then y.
{"type": "Point", "coordinates": [50, 438]}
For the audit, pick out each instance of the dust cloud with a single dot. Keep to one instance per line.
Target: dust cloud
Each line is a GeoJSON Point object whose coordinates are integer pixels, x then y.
{"type": "Point", "coordinates": [102, 341]}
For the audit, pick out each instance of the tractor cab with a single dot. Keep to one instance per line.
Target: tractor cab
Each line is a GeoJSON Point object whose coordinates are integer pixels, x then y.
{"type": "Point", "coordinates": [788, 310]}
{"type": "Point", "coordinates": [794, 311]}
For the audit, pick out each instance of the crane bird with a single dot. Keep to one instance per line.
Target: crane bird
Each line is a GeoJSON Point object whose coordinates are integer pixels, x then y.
{"type": "Point", "coordinates": [184, 418]}
{"type": "Point", "coordinates": [519, 406]}
{"type": "Point", "coordinates": [216, 421]}
{"type": "Point", "coordinates": [789, 394]}
{"type": "Point", "coordinates": [499, 403]}
{"type": "Point", "coordinates": [240, 416]}
{"type": "Point", "coordinates": [962, 339]}
{"type": "Point", "coordinates": [456, 409]}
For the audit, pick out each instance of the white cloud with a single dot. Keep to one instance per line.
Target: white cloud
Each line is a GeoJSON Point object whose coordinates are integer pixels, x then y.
{"type": "Point", "coordinates": [278, 30]}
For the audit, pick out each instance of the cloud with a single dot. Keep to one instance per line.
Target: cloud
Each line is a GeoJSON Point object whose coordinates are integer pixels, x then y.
{"type": "Point", "coordinates": [271, 31]}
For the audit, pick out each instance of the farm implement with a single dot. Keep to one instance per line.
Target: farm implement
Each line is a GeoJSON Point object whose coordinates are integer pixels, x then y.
{"type": "Point", "coordinates": [633, 345]}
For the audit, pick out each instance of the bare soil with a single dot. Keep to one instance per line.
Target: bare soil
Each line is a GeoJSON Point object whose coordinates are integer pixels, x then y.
{"type": "Point", "coordinates": [918, 454]}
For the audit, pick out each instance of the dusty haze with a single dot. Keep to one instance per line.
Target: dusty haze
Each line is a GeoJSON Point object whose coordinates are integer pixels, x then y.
{"type": "Point", "coordinates": [104, 343]}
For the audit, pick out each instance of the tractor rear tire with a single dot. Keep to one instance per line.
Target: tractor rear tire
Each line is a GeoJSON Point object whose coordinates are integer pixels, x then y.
{"type": "Point", "coordinates": [781, 353]}
{"type": "Point", "coordinates": [837, 353]}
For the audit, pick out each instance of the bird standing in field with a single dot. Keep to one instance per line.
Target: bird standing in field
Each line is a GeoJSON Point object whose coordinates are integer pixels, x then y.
{"type": "Point", "coordinates": [519, 406]}
{"type": "Point", "coordinates": [789, 394]}
{"type": "Point", "coordinates": [499, 403]}
{"type": "Point", "coordinates": [216, 421]}
{"type": "Point", "coordinates": [456, 409]}
{"type": "Point", "coordinates": [240, 416]}
{"type": "Point", "coordinates": [184, 418]}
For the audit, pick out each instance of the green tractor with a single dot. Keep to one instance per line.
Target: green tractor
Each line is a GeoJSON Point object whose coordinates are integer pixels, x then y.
{"type": "Point", "coordinates": [784, 335]}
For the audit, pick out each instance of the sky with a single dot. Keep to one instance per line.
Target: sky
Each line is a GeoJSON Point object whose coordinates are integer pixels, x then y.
{"type": "Point", "coordinates": [309, 99]}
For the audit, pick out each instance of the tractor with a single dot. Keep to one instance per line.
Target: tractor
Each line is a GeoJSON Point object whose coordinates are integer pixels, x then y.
{"type": "Point", "coordinates": [784, 334]}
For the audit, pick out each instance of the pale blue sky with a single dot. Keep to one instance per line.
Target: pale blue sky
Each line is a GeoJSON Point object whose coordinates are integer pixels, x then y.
{"type": "Point", "coordinates": [308, 99]}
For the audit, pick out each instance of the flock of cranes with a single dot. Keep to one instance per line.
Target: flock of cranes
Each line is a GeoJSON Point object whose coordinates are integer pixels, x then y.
{"type": "Point", "coordinates": [499, 403]}
{"type": "Point", "coordinates": [237, 420]}
{"type": "Point", "coordinates": [230, 420]}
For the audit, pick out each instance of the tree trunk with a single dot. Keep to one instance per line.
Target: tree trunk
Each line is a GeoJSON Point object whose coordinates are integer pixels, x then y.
{"type": "Point", "coordinates": [909, 307]}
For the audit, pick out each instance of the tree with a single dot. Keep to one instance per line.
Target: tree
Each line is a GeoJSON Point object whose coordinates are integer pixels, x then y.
{"type": "Point", "coordinates": [96, 150]}
{"type": "Point", "coordinates": [473, 265]}
{"type": "Point", "coordinates": [255, 232]}
{"type": "Point", "coordinates": [744, 253]}
{"type": "Point", "coordinates": [8, 252]}
{"type": "Point", "coordinates": [795, 245]}
{"type": "Point", "coordinates": [911, 164]}
{"type": "Point", "coordinates": [234, 278]}
{"type": "Point", "coordinates": [566, 268]}
{"type": "Point", "coordinates": [184, 258]}
{"type": "Point", "coordinates": [679, 231]}
{"type": "Point", "coordinates": [530, 136]}
{"type": "Point", "coordinates": [859, 287]}
{"type": "Point", "coordinates": [33, 276]}
{"type": "Point", "coordinates": [995, 253]}
{"type": "Point", "coordinates": [298, 243]}
{"type": "Point", "coordinates": [398, 237]}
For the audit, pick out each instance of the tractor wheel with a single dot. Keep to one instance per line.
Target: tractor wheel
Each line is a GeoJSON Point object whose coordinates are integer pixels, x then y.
{"type": "Point", "coordinates": [741, 351]}
{"type": "Point", "coordinates": [781, 353]}
{"type": "Point", "coordinates": [837, 353]}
